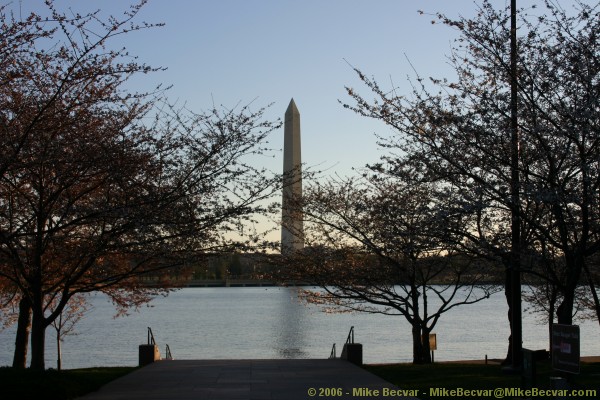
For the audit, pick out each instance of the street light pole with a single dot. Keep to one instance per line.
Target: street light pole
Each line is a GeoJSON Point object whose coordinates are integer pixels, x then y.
{"type": "Point", "coordinates": [515, 261]}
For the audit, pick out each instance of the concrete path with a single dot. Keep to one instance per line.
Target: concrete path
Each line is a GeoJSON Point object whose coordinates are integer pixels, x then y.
{"type": "Point", "coordinates": [247, 379]}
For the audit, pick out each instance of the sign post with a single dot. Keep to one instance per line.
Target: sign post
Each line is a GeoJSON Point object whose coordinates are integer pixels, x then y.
{"type": "Point", "coordinates": [529, 368]}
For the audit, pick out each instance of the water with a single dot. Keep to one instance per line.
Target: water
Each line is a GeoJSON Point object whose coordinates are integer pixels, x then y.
{"type": "Point", "coordinates": [247, 323]}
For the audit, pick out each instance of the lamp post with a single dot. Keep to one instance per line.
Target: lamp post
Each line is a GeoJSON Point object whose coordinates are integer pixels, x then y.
{"type": "Point", "coordinates": [515, 256]}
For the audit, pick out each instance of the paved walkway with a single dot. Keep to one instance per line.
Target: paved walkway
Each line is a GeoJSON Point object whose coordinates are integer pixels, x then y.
{"type": "Point", "coordinates": [245, 379]}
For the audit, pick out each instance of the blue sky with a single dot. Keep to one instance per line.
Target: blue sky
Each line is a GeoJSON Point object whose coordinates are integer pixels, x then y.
{"type": "Point", "coordinates": [275, 50]}
{"type": "Point", "coordinates": [268, 51]}
{"type": "Point", "coordinates": [236, 51]}
{"type": "Point", "coordinates": [272, 50]}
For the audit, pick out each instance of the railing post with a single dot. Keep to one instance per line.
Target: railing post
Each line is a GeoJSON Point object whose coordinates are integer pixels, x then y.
{"type": "Point", "coordinates": [151, 337]}
{"type": "Point", "coordinates": [148, 353]}
{"type": "Point", "coordinates": [350, 338]}
{"type": "Point", "coordinates": [352, 351]}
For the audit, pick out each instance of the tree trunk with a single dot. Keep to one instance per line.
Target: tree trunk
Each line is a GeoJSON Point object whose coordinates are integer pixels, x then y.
{"type": "Point", "coordinates": [565, 309]}
{"type": "Point", "coordinates": [596, 301]}
{"type": "Point", "coordinates": [22, 338]}
{"type": "Point", "coordinates": [592, 286]}
{"type": "Point", "coordinates": [421, 350]}
{"type": "Point", "coordinates": [574, 264]}
{"type": "Point", "coordinates": [38, 339]}
{"type": "Point", "coordinates": [425, 352]}
{"type": "Point", "coordinates": [552, 306]}
{"type": "Point", "coordinates": [417, 344]}
{"type": "Point", "coordinates": [58, 351]}
{"type": "Point", "coordinates": [508, 295]}
{"type": "Point", "coordinates": [425, 349]}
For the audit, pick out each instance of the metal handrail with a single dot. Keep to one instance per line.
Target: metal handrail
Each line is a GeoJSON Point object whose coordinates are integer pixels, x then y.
{"type": "Point", "coordinates": [151, 337]}
{"type": "Point", "coordinates": [332, 355]}
{"type": "Point", "coordinates": [168, 355]}
{"type": "Point", "coordinates": [350, 338]}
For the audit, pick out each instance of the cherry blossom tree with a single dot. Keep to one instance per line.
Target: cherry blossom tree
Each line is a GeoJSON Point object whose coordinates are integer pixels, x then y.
{"type": "Point", "coordinates": [101, 186]}
{"type": "Point", "coordinates": [378, 244]}
{"type": "Point", "coordinates": [458, 133]}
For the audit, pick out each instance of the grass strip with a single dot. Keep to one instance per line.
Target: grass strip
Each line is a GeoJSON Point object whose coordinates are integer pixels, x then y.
{"type": "Point", "coordinates": [19, 384]}
{"type": "Point", "coordinates": [475, 376]}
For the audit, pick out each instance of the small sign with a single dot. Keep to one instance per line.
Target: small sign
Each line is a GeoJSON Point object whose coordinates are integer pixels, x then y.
{"type": "Point", "coordinates": [565, 348]}
{"type": "Point", "coordinates": [432, 341]}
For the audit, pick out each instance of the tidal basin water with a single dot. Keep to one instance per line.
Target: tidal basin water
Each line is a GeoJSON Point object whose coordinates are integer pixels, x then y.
{"type": "Point", "coordinates": [249, 323]}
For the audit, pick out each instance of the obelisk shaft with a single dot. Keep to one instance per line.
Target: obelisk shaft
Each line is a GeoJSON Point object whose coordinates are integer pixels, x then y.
{"type": "Point", "coordinates": [292, 232]}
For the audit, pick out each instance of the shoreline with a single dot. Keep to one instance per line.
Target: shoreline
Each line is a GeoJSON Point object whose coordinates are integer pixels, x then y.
{"type": "Point", "coordinates": [490, 361]}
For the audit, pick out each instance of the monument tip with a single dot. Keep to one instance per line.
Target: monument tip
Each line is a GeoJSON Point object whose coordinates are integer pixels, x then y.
{"type": "Point", "coordinates": [292, 107]}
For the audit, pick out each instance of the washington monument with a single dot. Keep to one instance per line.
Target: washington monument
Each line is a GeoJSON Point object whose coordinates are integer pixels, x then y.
{"type": "Point", "coordinates": [292, 231]}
